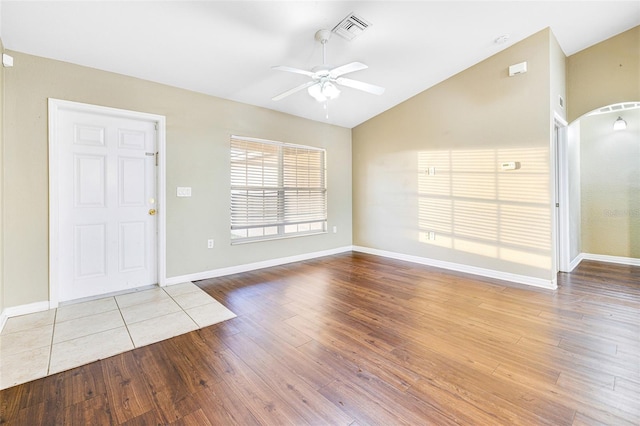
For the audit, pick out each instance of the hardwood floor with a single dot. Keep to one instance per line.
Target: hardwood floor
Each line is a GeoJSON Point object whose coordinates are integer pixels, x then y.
{"type": "Point", "coordinates": [358, 339]}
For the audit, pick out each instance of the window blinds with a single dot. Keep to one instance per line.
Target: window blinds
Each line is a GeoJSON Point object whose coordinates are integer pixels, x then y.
{"type": "Point", "coordinates": [277, 189]}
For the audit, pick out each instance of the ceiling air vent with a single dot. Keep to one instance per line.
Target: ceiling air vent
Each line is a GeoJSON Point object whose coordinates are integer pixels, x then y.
{"type": "Point", "coordinates": [351, 27]}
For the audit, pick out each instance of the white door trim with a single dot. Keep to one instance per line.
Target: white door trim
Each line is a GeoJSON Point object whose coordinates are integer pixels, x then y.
{"type": "Point", "coordinates": [561, 192]}
{"type": "Point", "coordinates": [57, 105]}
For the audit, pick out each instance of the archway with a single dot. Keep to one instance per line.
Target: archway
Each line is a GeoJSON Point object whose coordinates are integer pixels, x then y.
{"type": "Point", "coordinates": [603, 170]}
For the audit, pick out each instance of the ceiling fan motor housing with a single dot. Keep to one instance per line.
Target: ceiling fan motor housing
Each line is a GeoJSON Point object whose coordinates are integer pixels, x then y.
{"type": "Point", "coordinates": [323, 36]}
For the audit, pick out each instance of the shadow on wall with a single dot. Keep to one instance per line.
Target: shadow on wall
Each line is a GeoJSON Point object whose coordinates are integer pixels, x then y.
{"type": "Point", "coordinates": [468, 202]}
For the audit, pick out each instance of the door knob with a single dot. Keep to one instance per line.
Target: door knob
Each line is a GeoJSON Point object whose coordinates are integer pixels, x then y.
{"type": "Point", "coordinates": [152, 212]}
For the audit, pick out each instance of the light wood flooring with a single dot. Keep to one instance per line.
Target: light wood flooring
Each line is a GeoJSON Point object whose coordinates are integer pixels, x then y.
{"type": "Point", "coordinates": [356, 339]}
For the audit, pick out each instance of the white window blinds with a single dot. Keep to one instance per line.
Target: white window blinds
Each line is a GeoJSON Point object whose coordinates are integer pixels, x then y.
{"type": "Point", "coordinates": [277, 190]}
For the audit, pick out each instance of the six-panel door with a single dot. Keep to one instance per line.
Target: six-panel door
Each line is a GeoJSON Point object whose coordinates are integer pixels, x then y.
{"type": "Point", "coordinates": [107, 202]}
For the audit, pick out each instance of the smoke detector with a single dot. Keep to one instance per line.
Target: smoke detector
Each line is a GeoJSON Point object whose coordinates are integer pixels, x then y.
{"type": "Point", "coordinates": [351, 26]}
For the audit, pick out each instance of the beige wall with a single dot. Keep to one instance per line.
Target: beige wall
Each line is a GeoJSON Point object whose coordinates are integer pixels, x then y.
{"type": "Point", "coordinates": [558, 77]}
{"type": "Point", "coordinates": [464, 127]}
{"type": "Point", "coordinates": [198, 130]}
{"type": "Point", "coordinates": [603, 217]}
{"type": "Point", "coordinates": [610, 185]}
{"type": "Point", "coordinates": [604, 74]}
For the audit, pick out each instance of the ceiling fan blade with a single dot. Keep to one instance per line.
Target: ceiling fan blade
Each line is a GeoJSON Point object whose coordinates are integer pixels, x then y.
{"type": "Point", "coordinates": [345, 69]}
{"type": "Point", "coordinates": [366, 87]}
{"type": "Point", "coordinates": [292, 91]}
{"type": "Point", "coordinates": [291, 69]}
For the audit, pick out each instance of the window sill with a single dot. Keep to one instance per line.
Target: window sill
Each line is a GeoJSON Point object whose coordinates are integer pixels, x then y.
{"type": "Point", "coordinates": [275, 237]}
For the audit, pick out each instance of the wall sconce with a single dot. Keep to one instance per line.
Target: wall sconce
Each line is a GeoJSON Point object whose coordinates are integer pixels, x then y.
{"type": "Point", "coordinates": [619, 124]}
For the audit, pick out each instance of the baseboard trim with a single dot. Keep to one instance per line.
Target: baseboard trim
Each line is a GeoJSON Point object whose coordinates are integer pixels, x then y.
{"type": "Point", "coordinates": [631, 261]}
{"type": "Point", "coordinates": [254, 266]}
{"type": "Point", "coordinates": [575, 262]}
{"type": "Point", "coordinates": [15, 311]}
{"type": "Point", "coordinates": [458, 267]}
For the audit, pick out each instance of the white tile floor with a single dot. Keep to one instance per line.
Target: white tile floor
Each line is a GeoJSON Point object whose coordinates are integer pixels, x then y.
{"type": "Point", "coordinates": [36, 345]}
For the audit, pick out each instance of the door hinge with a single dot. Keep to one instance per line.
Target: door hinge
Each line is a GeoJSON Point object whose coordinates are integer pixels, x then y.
{"type": "Point", "coordinates": [157, 155]}
{"type": "Point", "coordinates": [557, 204]}
{"type": "Point", "coordinates": [155, 125]}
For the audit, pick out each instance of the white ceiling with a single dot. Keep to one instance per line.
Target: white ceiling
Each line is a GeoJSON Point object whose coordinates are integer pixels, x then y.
{"type": "Point", "coordinates": [227, 48]}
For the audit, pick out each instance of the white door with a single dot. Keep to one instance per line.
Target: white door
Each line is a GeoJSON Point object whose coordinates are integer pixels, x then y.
{"type": "Point", "coordinates": [106, 195]}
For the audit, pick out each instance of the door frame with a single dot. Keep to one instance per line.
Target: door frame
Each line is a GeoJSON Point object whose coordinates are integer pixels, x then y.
{"type": "Point", "coordinates": [56, 106]}
{"type": "Point", "coordinates": [561, 241]}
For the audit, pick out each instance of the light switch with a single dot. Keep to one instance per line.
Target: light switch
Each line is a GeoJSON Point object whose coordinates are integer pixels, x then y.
{"type": "Point", "coordinates": [510, 165]}
{"type": "Point", "coordinates": [183, 191]}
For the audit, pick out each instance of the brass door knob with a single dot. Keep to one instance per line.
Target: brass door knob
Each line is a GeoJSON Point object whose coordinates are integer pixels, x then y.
{"type": "Point", "coordinates": [152, 212]}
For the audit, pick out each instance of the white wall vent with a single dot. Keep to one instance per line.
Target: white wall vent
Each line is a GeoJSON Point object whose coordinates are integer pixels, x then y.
{"type": "Point", "coordinates": [351, 27]}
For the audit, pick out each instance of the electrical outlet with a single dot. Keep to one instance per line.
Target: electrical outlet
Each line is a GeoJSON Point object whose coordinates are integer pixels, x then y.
{"type": "Point", "coordinates": [210, 243]}
{"type": "Point", "coordinates": [432, 235]}
{"type": "Point", "coordinates": [335, 229]}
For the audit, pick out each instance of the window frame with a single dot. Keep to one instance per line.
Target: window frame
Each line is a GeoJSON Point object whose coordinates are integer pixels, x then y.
{"type": "Point", "coordinates": [316, 196]}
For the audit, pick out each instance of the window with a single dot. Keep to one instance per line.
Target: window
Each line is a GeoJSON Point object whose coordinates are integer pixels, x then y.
{"type": "Point", "coordinates": [277, 190]}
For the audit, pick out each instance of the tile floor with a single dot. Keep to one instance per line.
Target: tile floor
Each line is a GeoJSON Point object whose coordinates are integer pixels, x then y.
{"type": "Point", "coordinates": [36, 345]}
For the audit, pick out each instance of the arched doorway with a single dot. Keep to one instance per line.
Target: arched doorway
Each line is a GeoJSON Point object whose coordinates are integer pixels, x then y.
{"type": "Point", "coordinates": [603, 186]}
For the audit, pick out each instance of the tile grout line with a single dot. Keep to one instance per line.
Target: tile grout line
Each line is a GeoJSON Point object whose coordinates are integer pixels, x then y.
{"type": "Point", "coordinates": [126, 326]}
{"type": "Point", "coordinates": [207, 295]}
{"type": "Point", "coordinates": [181, 307]}
{"type": "Point", "coordinates": [170, 297]}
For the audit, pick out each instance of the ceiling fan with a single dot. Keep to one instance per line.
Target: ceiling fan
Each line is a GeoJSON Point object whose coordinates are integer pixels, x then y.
{"type": "Point", "coordinates": [325, 79]}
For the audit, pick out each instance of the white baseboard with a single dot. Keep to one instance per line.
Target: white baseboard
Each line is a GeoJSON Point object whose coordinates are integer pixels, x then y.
{"type": "Point", "coordinates": [15, 311]}
{"type": "Point", "coordinates": [253, 266]}
{"type": "Point", "coordinates": [631, 261]}
{"type": "Point", "coordinates": [575, 262]}
{"type": "Point", "coordinates": [489, 273]}
{"type": "Point", "coordinates": [45, 305]}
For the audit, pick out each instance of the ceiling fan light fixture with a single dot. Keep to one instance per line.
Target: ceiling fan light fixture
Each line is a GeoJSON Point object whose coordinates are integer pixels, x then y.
{"type": "Point", "coordinates": [330, 90]}
{"type": "Point", "coordinates": [316, 92]}
{"type": "Point", "coordinates": [619, 124]}
{"type": "Point", "coordinates": [322, 92]}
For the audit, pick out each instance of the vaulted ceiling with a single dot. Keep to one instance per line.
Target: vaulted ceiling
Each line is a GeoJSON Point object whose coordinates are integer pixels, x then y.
{"type": "Point", "coordinates": [227, 48]}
